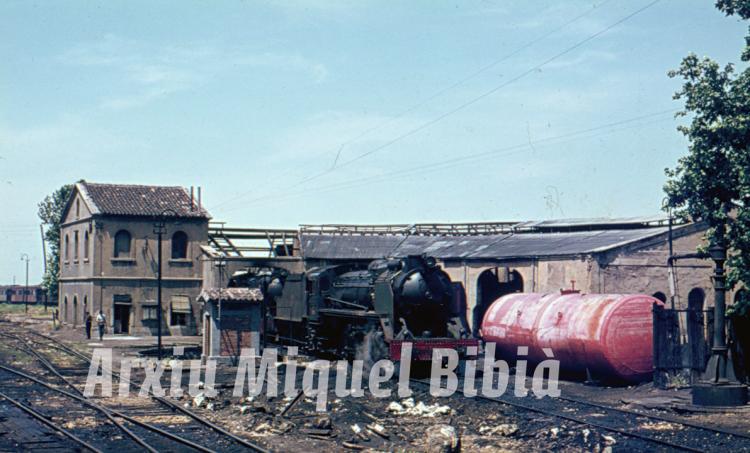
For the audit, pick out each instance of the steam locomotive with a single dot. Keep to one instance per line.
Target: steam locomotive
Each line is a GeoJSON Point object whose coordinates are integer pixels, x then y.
{"type": "Point", "coordinates": [356, 312]}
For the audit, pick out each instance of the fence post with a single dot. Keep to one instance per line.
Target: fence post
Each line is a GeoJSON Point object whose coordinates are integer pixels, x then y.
{"type": "Point", "coordinates": [658, 315]}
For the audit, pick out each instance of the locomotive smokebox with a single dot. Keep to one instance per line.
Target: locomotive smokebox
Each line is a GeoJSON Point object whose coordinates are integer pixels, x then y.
{"type": "Point", "coordinates": [605, 336]}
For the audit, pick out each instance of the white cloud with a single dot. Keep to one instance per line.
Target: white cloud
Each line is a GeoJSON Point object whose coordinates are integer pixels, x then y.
{"type": "Point", "coordinates": [154, 72]}
{"type": "Point", "coordinates": [582, 59]}
{"type": "Point", "coordinates": [317, 71]}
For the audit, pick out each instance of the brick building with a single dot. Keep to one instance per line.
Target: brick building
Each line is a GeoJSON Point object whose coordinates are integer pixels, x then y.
{"type": "Point", "coordinates": [108, 257]}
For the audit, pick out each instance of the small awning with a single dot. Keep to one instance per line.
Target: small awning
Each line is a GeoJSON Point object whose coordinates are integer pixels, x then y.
{"type": "Point", "coordinates": [180, 304]}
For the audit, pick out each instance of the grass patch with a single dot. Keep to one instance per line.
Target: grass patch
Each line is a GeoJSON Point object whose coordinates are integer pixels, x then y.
{"type": "Point", "coordinates": [34, 310]}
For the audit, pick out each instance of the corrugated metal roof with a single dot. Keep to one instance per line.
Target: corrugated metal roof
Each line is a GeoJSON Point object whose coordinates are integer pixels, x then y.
{"type": "Point", "coordinates": [499, 246]}
{"type": "Point", "coordinates": [348, 247]}
{"type": "Point", "coordinates": [594, 222]}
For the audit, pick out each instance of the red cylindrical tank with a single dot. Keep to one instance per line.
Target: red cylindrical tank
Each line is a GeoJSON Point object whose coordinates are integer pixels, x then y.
{"type": "Point", "coordinates": [608, 334]}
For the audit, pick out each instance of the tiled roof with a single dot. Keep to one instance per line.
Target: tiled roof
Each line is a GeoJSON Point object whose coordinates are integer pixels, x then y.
{"type": "Point", "coordinates": [136, 200]}
{"type": "Point", "coordinates": [231, 294]}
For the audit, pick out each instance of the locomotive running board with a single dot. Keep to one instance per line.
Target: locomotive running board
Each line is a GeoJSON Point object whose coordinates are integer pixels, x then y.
{"type": "Point", "coordinates": [422, 347]}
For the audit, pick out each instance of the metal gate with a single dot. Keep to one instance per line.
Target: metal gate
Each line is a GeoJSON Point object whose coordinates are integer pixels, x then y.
{"type": "Point", "coordinates": [682, 345]}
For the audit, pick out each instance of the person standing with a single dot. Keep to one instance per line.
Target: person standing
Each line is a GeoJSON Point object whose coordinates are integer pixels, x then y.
{"type": "Point", "coordinates": [88, 326]}
{"type": "Point", "coordinates": [100, 321]}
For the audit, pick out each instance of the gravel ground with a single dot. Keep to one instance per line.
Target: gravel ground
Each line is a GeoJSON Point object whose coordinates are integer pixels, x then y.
{"type": "Point", "coordinates": [478, 425]}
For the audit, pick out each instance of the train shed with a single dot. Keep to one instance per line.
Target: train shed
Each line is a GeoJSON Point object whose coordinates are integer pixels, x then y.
{"type": "Point", "coordinates": [493, 259]}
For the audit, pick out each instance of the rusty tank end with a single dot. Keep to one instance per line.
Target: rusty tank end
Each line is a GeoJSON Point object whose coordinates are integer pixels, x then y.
{"type": "Point", "coordinates": [610, 335]}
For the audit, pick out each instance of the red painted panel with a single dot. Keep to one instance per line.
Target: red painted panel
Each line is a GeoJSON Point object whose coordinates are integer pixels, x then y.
{"type": "Point", "coordinates": [422, 348]}
{"type": "Point", "coordinates": [610, 334]}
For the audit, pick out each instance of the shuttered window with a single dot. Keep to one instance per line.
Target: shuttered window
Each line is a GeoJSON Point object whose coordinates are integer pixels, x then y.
{"type": "Point", "coordinates": [180, 313]}
{"type": "Point", "coordinates": [180, 304]}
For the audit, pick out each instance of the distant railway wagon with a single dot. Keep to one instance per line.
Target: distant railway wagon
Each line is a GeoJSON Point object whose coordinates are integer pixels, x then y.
{"type": "Point", "coordinates": [19, 294]}
{"type": "Point", "coordinates": [601, 336]}
{"type": "Point", "coordinates": [357, 312]}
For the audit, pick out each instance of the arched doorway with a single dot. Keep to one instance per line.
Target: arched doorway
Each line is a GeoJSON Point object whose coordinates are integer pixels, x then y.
{"type": "Point", "coordinates": [660, 295]}
{"type": "Point", "coordinates": [64, 317]}
{"type": "Point", "coordinates": [75, 310]}
{"type": "Point", "coordinates": [491, 285]}
{"type": "Point", "coordinates": [696, 296]}
{"type": "Point", "coordinates": [85, 308]}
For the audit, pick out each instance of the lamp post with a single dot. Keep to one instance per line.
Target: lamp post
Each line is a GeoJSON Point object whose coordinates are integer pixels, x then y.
{"type": "Point", "coordinates": [25, 257]}
{"type": "Point", "coordinates": [160, 229]}
{"type": "Point", "coordinates": [719, 386]}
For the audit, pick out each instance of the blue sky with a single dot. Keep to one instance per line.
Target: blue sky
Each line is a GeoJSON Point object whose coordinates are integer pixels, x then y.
{"type": "Point", "coordinates": [254, 101]}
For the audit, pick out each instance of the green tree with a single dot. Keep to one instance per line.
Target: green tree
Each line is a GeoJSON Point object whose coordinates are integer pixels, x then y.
{"type": "Point", "coordinates": [712, 182]}
{"type": "Point", "coordinates": [50, 212]}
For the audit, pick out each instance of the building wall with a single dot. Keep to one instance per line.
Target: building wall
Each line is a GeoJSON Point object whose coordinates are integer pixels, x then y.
{"type": "Point", "coordinates": [99, 277]}
{"type": "Point", "coordinates": [645, 270]}
{"type": "Point", "coordinates": [640, 268]}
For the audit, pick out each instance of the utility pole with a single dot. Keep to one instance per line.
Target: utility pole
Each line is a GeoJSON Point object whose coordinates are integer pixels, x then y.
{"type": "Point", "coordinates": [44, 261]}
{"type": "Point", "coordinates": [25, 257]}
{"type": "Point", "coordinates": [160, 229]}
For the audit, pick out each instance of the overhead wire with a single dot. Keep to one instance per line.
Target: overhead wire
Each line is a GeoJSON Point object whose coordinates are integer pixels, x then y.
{"type": "Point", "coordinates": [483, 95]}
{"type": "Point", "coordinates": [504, 151]}
{"type": "Point", "coordinates": [433, 96]}
{"type": "Point", "coordinates": [497, 88]}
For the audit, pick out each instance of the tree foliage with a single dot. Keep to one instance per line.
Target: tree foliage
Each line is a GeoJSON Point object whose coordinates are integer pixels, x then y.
{"type": "Point", "coordinates": [712, 182]}
{"type": "Point", "coordinates": [50, 212]}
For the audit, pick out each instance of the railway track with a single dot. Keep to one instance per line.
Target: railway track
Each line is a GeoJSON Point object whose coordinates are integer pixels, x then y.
{"type": "Point", "coordinates": [687, 436]}
{"type": "Point", "coordinates": [45, 421]}
{"type": "Point", "coordinates": [142, 435]}
{"type": "Point", "coordinates": [631, 428]}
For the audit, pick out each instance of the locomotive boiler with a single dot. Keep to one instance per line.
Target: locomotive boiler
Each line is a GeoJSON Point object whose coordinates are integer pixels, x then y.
{"type": "Point", "coordinates": [601, 336]}
{"type": "Point", "coordinates": [353, 311]}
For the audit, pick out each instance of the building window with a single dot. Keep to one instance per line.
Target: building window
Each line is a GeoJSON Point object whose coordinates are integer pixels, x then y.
{"type": "Point", "coordinates": [150, 312]}
{"type": "Point", "coordinates": [122, 244]}
{"type": "Point", "coordinates": [78, 208]}
{"type": "Point", "coordinates": [179, 245]}
{"type": "Point", "coordinates": [67, 247]}
{"type": "Point", "coordinates": [85, 245]}
{"type": "Point", "coordinates": [75, 245]}
{"type": "Point", "coordinates": [179, 311]}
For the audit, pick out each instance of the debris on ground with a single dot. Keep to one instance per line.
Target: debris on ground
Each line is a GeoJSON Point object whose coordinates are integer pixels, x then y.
{"type": "Point", "coordinates": [661, 426]}
{"type": "Point", "coordinates": [442, 439]}
{"type": "Point", "coordinates": [360, 432]}
{"type": "Point", "coordinates": [503, 429]}
{"type": "Point", "coordinates": [420, 409]}
{"type": "Point", "coordinates": [323, 422]}
{"type": "Point", "coordinates": [378, 429]}
{"type": "Point", "coordinates": [199, 399]}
